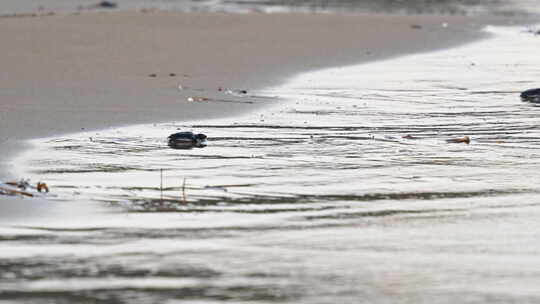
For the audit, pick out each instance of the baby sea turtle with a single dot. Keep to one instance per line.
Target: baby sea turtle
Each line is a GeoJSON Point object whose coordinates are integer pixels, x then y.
{"type": "Point", "coordinates": [532, 95]}
{"type": "Point", "coordinates": [186, 140]}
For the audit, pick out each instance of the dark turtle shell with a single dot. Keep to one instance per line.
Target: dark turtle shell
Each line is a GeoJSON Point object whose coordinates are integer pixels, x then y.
{"type": "Point", "coordinates": [532, 95]}
{"type": "Point", "coordinates": [186, 140]}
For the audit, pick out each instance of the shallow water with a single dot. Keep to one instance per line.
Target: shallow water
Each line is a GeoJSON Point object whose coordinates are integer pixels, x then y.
{"type": "Point", "coordinates": [320, 197]}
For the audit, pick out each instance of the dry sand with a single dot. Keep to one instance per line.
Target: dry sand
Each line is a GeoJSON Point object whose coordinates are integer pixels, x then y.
{"type": "Point", "coordinates": [63, 73]}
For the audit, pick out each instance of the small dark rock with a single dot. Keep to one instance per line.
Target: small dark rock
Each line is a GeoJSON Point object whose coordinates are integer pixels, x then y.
{"type": "Point", "coordinates": [532, 95]}
{"type": "Point", "coordinates": [416, 26]}
{"type": "Point", "coordinates": [186, 140]}
{"type": "Point", "coordinates": [172, 74]}
{"type": "Point", "coordinates": [152, 75]}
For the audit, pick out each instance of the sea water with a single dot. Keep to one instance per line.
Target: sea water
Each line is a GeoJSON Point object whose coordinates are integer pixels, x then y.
{"type": "Point", "coordinates": [347, 187]}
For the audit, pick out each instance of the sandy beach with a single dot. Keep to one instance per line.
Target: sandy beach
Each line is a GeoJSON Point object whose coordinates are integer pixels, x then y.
{"type": "Point", "coordinates": [63, 74]}
{"type": "Point", "coordinates": [352, 185]}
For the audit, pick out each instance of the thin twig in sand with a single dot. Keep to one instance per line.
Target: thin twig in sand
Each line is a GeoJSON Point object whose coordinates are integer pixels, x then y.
{"type": "Point", "coordinates": [184, 191]}
{"type": "Point", "coordinates": [161, 184]}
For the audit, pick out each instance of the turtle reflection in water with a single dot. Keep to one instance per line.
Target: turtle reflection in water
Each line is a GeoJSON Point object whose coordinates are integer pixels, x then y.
{"type": "Point", "coordinates": [186, 140]}
{"type": "Point", "coordinates": [532, 95]}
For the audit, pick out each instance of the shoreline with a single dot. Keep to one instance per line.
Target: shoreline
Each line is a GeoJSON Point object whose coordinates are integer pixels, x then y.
{"type": "Point", "coordinates": [99, 78]}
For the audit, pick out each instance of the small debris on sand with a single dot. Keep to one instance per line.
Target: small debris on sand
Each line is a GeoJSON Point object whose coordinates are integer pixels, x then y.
{"type": "Point", "coordinates": [198, 99]}
{"type": "Point", "coordinates": [107, 4]}
{"type": "Point", "coordinates": [408, 136]}
{"type": "Point", "coordinates": [232, 91]}
{"type": "Point", "coordinates": [465, 139]}
{"type": "Point", "coordinates": [21, 184]}
{"type": "Point", "coordinates": [22, 188]}
{"type": "Point", "coordinates": [42, 187]}
{"type": "Point", "coordinates": [416, 26]}
{"type": "Point", "coordinates": [13, 191]}
{"type": "Point", "coordinates": [152, 75]}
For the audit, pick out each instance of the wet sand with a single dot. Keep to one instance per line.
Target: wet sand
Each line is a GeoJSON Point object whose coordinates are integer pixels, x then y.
{"type": "Point", "coordinates": [66, 73]}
